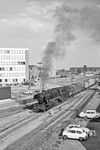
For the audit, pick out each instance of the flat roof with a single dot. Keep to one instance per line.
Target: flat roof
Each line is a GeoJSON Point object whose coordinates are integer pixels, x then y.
{"type": "Point", "coordinates": [14, 48]}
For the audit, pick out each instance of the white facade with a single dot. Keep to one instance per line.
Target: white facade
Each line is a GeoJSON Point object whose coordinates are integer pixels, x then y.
{"type": "Point", "coordinates": [13, 65]}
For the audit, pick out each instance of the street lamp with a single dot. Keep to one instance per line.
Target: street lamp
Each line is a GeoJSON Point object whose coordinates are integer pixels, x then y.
{"type": "Point", "coordinates": [72, 78]}
{"type": "Point", "coordinates": [40, 65]}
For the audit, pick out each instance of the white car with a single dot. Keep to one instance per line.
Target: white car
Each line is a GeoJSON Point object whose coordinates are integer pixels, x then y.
{"type": "Point", "coordinates": [79, 127]}
{"type": "Point", "coordinates": [75, 133]}
{"type": "Point", "coordinates": [89, 114]}
{"type": "Point", "coordinates": [27, 92]}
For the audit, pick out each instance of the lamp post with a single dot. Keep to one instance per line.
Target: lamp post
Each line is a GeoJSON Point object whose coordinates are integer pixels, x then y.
{"type": "Point", "coordinates": [72, 79]}
{"type": "Point", "coordinates": [40, 65]}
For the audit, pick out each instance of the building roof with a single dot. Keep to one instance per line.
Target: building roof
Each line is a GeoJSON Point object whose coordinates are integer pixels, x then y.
{"type": "Point", "coordinates": [14, 48]}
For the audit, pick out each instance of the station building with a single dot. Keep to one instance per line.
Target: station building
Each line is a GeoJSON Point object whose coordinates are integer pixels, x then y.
{"type": "Point", "coordinates": [14, 64]}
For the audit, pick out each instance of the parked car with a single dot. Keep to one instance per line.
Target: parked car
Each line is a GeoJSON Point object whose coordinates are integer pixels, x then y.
{"type": "Point", "coordinates": [89, 114]}
{"type": "Point", "coordinates": [37, 91]}
{"type": "Point", "coordinates": [78, 126]}
{"type": "Point", "coordinates": [27, 92]}
{"type": "Point", "coordinates": [75, 133]}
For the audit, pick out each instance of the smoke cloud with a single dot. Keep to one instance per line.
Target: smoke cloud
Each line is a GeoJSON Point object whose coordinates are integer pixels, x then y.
{"type": "Point", "coordinates": [57, 48]}
{"type": "Point", "coordinates": [51, 52]}
{"type": "Point", "coordinates": [90, 22]}
{"type": "Point", "coordinates": [86, 19]}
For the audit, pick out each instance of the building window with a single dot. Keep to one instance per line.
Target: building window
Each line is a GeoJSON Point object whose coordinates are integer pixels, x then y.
{"type": "Point", "coordinates": [6, 80]}
{"type": "Point", "coordinates": [1, 68]}
{"type": "Point", "coordinates": [7, 51]}
{"type": "Point", "coordinates": [16, 80]}
{"type": "Point", "coordinates": [21, 62]}
{"type": "Point", "coordinates": [11, 68]}
{"type": "Point", "coordinates": [0, 80]}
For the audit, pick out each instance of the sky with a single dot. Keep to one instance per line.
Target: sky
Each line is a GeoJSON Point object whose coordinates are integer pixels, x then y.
{"type": "Point", "coordinates": [32, 24]}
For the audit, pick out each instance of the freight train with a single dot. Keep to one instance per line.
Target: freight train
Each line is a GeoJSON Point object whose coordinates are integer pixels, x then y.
{"type": "Point", "coordinates": [53, 97]}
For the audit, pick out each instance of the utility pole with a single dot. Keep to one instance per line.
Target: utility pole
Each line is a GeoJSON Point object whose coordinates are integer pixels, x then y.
{"type": "Point", "coordinates": [40, 67]}
{"type": "Point", "coordinates": [72, 79]}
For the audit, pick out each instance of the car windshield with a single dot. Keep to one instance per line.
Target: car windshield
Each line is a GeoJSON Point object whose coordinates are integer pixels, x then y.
{"type": "Point", "coordinates": [88, 112]}
{"type": "Point", "coordinates": [74, 127]}
{"type": "Point", "coordinates": [71, 131]}
{"type": "Point", "coordinates": [79, 132]}
{"type": "Point", "coordinates": [92, 112]}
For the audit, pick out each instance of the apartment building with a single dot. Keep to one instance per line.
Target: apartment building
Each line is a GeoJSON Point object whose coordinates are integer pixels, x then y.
{"type": "Point", "coordinates": [14, 64]}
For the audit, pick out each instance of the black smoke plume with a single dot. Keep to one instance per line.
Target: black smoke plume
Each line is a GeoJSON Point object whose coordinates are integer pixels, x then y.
{"type": "Point", "coordinates": [85, 19]}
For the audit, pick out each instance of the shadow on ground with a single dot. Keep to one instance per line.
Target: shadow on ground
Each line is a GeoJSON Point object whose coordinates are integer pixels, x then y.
{"type": "Point", "coordinates": [93, 143]}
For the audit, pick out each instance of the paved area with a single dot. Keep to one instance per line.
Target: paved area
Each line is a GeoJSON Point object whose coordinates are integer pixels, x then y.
{"type": "Point", "coordinates": [71, 145]}
{"type": "Point", "coordinates": [8, 103]}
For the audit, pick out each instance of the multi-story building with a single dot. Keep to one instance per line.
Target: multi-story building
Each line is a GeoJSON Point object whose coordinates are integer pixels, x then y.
{"type": "Point", "coordinates": [34, 72]}
{"type": "Point", "coordinates": [14, 64]}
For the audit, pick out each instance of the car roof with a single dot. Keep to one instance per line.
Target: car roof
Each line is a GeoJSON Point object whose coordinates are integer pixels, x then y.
{"type": "Point", "coordinates": [75, 129]}
{"type": "Point", "coordinates": [90, 110]}
{"type": "Point", "coordinates": [73, 125]}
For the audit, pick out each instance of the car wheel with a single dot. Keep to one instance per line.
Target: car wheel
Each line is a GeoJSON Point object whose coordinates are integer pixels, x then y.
{"type": "Point", "coordinates": [81, 139]}
{"type": "Point", "coordinates": [65, 137]}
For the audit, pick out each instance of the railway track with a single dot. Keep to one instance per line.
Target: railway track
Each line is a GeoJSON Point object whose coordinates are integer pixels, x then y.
{"type": "Point", "coordinates": [58, 118]}
{"type": "Point", "coordinates": [15, 124]}
{"type": "Point", "coordinates": [38, 135]}
{"type": "Point", "coordinates": [43, 121]}
{"type": "Point", "coordinates": [10, 111]}
{"type": "Point", "coordinates": [19, 113]}
{"type": "Point", "coordinates": [13, 110]}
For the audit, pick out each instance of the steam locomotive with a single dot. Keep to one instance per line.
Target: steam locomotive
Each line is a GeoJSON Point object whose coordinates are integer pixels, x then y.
{"type": "Point", "coordinates": [53, 97]}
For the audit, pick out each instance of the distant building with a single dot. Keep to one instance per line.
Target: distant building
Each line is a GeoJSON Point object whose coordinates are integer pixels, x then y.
{"type": "Point", "coordinates": [34, 72]}
{"type": "Point", "coordinates": [62, 73]}
{"type": "Point", "coordinates": [76, 69]}
{"type": "Point", "coordinates": [14, 65]}
{"type": "Point", "coordinates": [84, 69]}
